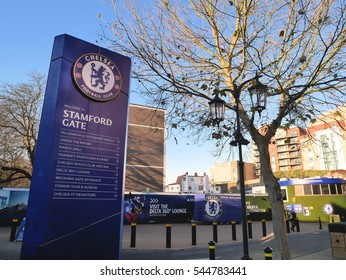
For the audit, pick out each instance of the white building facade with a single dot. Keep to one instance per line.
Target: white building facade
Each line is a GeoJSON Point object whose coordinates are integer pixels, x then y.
{"type": "Point", "coordinates": [193, 184]}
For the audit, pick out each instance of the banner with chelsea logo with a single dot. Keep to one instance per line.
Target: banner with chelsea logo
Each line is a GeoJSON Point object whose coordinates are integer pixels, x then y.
{"type": "Point", "coordinates": [76, 195]}
{"type": "Point", "coordinates": [222, 208]}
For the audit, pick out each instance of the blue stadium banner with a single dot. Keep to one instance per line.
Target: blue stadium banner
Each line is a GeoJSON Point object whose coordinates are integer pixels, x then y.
{"type": "Point", "coordinates": [158, 208]}
{"type": "Point", "coordinates": [76, 194]}
{"type": "Point", "coordinates": [222, 208]}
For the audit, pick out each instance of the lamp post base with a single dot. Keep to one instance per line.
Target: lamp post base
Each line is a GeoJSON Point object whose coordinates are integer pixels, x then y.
{"type": "Point", "coordinates": [245, 257]}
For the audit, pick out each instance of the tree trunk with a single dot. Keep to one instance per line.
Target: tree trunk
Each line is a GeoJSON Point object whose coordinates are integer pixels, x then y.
{"type": "Point", "coordinates": [281, 249]}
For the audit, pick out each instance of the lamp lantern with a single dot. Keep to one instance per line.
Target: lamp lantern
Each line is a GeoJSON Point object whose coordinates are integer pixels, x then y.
{"type": "Point", "coordinates": [258, 93]}
{"type": "Point", "coordinates": [217, 109]}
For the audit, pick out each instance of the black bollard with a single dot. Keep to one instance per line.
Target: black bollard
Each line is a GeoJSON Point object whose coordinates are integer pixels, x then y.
{"type": "Point", "coordinates": [14, 229]}
{"type": "Point", "coordinates": [211, 250]}
{"type": "Point", "coordinates": [215, 231]}
{"type": "Point", "coordinates": [194, 233]}
{"type": "Point", "coordinates": [234, 231]}
{"type": "Point", "coordinates": [168, 235]}
{"type": "Point", "coordinates": [288, 226]}
{"type": "Point", "coordinates": [264, 228]}
{"type": "Point", "coordinates": [268, 253]}
{"type": "Point", "coordinates": [249, 227]}
{"type": "Point", "coordinates": [297, 225]}
{"type": "Point", "coordinates": [133, 234]}
{"type": "Point", "coordinates": [319, 221]}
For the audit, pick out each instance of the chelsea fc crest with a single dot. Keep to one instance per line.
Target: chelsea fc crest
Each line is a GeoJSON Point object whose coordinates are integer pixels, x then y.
{"type": "Point", "coordinates": [213, 207]}
{"type": "Point", "coordinates": [97, 77]}
{"type": "Point", "coordinates": [328, 209]}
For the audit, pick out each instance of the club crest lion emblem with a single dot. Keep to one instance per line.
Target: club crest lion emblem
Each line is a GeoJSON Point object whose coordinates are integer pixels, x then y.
{"type": "Point", "coordinates": [97, 77]}
{"type": "Point", "coordinates": [213, 207]}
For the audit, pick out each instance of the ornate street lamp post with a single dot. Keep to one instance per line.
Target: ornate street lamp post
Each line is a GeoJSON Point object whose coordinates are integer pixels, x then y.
{"type": "Point", "coordinates": [217, 109]}
{"type": "Point", "coordinates": [258, 93]}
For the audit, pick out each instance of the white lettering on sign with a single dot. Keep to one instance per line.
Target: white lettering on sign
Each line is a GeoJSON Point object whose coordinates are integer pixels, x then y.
{"type": "Point", "coordinates": [79, 120]}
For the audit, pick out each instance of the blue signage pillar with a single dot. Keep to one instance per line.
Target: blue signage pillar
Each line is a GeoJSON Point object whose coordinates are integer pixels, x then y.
{"type": "Point", "coordinates": [76, 194]}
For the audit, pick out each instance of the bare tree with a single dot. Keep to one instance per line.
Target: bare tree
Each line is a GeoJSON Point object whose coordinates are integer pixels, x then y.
{"type": "Point", "coordinates": [20, 109]}
{"type": "Point", "coordinates": [184, 52]}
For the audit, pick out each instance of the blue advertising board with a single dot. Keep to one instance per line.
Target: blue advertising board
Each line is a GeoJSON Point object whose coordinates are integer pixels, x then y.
{"type": "Point", "coordinates": [221, 208]}
{"type": "Point", "coordinates": [298, 208]}
{"type": "Point", "coordinates": [158, 208]}
{"type": "Point", "coordinates": [76, 194]}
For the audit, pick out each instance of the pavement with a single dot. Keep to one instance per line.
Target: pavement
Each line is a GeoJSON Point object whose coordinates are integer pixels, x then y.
{"type": "Point", "coordinates": [153, 236]}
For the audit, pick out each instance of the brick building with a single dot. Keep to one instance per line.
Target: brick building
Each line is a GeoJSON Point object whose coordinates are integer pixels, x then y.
{"type": "Point", "coordinates": [319, 146]}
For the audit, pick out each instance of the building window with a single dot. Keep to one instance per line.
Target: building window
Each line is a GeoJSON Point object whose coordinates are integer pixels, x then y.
{"type": "Point", "coordinates": [307, 190]}
{"type": "Point", "coordinates": [200, 187]}
{"type": "Point", "coordinates": [274, 167]}
{"type": "Point", "coordinates": [325, 189]}
{"type": "Point", "coordinates": [282, 148]}
{"type": "Point", "coordinates": [333, 189]}
{"type": "Point", "coordinates": [329, 152]}
{"type": "Point", "coordinates": [342, 189]}
{"type": "Point", "coordinates": [285, 168]}
{"type": "Point", "coordinates": [284, 194]}
{"type": "Point", "coordinates": [316, 189]}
